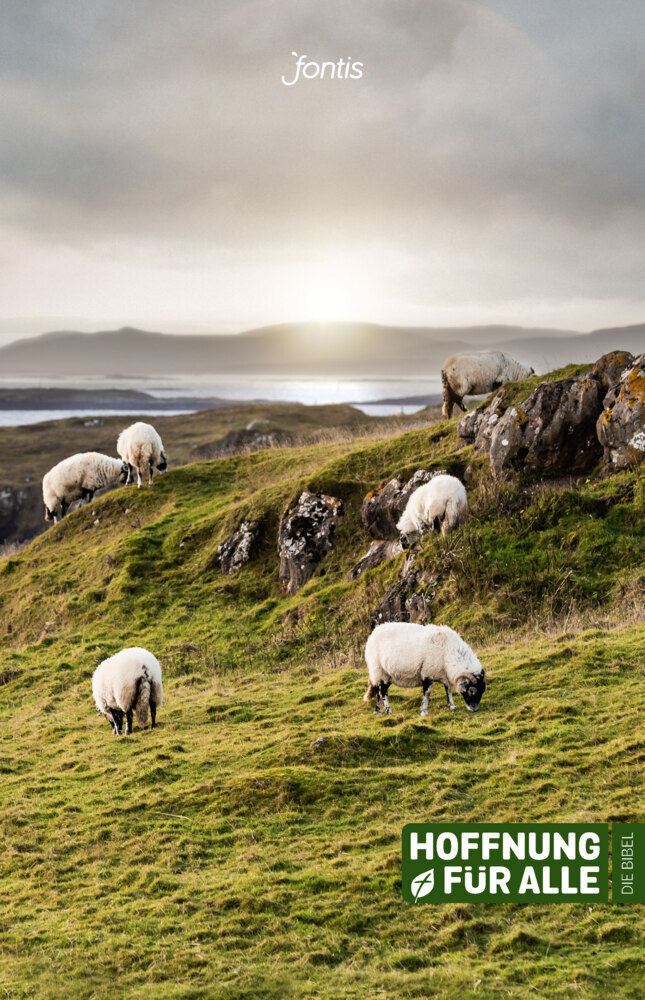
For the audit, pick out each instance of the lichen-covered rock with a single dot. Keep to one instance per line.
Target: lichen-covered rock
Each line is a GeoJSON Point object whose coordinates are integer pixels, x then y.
{"type": "Point", "coordinates": [553, 431]}
{"type": "Point", "coordinates": [383, 507]}
{"type": "Point", "coordinates": [477, 427]}
{"type": "Point", "coordinates": [377, 553]}
{"type": "Point", "coordinates": [377, 510]}
{"type": "Point", "coordinates": [610, 367]}
{"type": "Point", "coordinates": [238, 548]}
{"type": "Point", "coordinates": [305, 536]}
{"type": "Point", "coordinates": [621, 425]}
{"type": "Point", "coordinates": [407, 600]}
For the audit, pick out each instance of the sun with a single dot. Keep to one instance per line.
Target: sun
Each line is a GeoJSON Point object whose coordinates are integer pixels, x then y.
{"type": "Point", "coordinates": [328, 301]}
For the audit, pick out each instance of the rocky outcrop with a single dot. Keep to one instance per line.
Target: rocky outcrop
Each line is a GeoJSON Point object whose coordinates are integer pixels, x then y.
{"type": "Point", "coordinates": [21, 512]}
{"type": "Point", "coordinates": [378, 552]}
{"type": "Point", "coordinates": [621, 425]}
{"type": "Point", "coordinates": [477, 427]}
{"type": "Point", "coordinates": [407, 600]}
{"type": "Point", "coordinates": [238, 548]}
{"type": "Point", "coordinates": [242, 442]}
{"type": "Point", "coordinates": [383, 507]}
{"type": "Point", "coordinates": [305, 536]}
{"type": "Point", "coordinates": [553, 431]}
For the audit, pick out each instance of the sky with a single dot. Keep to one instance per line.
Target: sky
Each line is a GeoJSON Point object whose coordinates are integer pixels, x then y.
{"type": "Point", "coordinates": [486, 167]}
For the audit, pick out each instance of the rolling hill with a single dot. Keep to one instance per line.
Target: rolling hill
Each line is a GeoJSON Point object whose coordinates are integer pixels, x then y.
{"type": "Point", "coordinates": [310, 349]}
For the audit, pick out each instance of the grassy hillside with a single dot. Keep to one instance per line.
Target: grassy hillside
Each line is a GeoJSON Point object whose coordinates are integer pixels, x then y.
{"type": "Point", "coordinates": [224, 855]}
{"type": "Point", "coordinates": [27, 452]}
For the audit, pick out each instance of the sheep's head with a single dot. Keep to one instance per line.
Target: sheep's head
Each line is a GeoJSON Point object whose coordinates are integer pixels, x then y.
{"type": "Point", "coordinates": [408, 531]}
{"type": "Point", "coordinates": [123, 474]}
{"type": "Point", "coordinates": [49, 514]}
{"type": "Point", "coordinates": [163, 464]}
{"type": "Point", "coordinates": [472, 687]}
{"type": "Point", "coordinates": [408, 538]}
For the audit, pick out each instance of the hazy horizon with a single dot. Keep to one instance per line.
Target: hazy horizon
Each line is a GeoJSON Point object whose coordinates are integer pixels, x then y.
{"type": "Point", "coordinates": [77, 326]}
{"type": "Point", "coordinates": [156, 171]}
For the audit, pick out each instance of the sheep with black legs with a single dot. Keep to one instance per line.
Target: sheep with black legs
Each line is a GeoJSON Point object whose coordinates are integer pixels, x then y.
{"type": "Point", "coordinates": [129, 681]}
{"type": "Point", "coordinates": [142, 449]}
{"type": "Point", "coordinates": [411, 655]}
{"type": "Point", "coordinates": [441, 504]}
{"type": "Point", "coordinates": [477, 374]}
{"type": "Point", "coordinates": [78, 478]}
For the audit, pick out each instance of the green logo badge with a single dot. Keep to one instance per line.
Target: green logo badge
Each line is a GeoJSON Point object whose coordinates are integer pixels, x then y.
{"type": "Point", "coordinates": [506, 863]}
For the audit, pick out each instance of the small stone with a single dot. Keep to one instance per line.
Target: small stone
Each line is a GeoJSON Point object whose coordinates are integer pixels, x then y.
{"type": "Point", "coordinates": [238, 548]}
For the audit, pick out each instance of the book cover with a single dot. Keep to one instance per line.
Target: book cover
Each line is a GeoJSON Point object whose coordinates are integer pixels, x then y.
{"type": "Point", "coordinates": [322, 509]}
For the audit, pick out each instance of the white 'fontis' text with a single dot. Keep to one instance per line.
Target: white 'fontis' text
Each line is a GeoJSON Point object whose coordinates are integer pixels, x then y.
{"type": "Point", "coordinates": [344, 69]}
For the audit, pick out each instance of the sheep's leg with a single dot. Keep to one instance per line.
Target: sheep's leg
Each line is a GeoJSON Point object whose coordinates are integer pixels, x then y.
{"type": "Point", "coordinates": [87, 496]}
{"type": "Point", "coordinates": [153, 713]}
{"type": "Point", "coordinates": [460, 403]}
{"type": "Point", "coordinates": [451, 704]}
{"type": "Point", "coordinates": [427, 686]}
{"type": "Point", "coordinates": [128, 722]}
{"type": "Point", "coordinates": [151, 474]}
{"type": "Point", "coordinates": [64, 507]}
{"type": "Point", "coordinates": [115, 716]}
{"type": "Point", "coordinates": [384, 698]}
{"type": "Point", "coordinates": [139, 478]}
{"type": "Point", "coordinates": [130, 478]}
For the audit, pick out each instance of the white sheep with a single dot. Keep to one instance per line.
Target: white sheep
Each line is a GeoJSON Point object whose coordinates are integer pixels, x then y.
{"type": "Point", "coordinates": [126, 682]}
{"type": "Point", "coordinates": [477, 374]}
{"type": "Point", "coordinates": [78, 478]}
{"type": "Point", "coordinates": [141, 448]}
{"type": "Point", "coordinates": [440, 504]}
{"type": "Point", "coordinates": [416, 655]}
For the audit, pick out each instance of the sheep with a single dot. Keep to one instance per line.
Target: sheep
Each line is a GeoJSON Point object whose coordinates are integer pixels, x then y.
{"type": "Point", "coordinates": [78, 478]}
{"type": "Point", "coordinates": [441, 503]}
{"type": "Point", "coordinates": [141, 448]}
{"type": "Point", "coordinates": [126, 682]}
{"type": "Point", "coordinates": [476, 374]}
{"type": "Point", "coordinates": [416, 655]}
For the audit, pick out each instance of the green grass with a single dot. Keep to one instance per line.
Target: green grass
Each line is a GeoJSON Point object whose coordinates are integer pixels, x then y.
{"type": "Point", "coordinates": [222, 855]}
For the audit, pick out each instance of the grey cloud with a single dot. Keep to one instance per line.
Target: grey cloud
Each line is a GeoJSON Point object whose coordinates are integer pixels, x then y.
{"type": "Point", "coordinates": [480, 124]}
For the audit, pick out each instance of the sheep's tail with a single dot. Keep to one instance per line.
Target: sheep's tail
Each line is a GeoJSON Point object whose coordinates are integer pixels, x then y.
{"type": "Point", "coordinates": [448, 399]}
{"type": "Point", "coordinates": [143, 697]}
{"type": "Point", "coordinates": [454, 515]}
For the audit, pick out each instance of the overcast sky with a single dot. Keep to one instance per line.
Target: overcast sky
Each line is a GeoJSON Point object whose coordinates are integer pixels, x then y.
{"type": "Point", "coordinates": [487, 167]}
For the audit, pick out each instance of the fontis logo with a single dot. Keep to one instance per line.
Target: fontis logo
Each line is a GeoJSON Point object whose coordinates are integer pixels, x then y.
{"type": "Point", "coordinates": [344, 69]}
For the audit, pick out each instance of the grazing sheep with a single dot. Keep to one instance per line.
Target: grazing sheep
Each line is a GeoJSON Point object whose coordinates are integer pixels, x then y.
{"type": "Point", "coordinates": [441, 503]}
{"type": "Point", "coordinates": [78, 478]}
{"type": "Point", "coordinates": [126, 682]}
{"type": "Point", "coordinates": [141, 448]}
{"type": "Point", "coordinates": [416, 655]}
{"type": "Point", "coordinates": [476, 374]}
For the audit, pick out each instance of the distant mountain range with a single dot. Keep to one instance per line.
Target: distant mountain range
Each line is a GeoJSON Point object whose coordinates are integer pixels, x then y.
{"type": "Point", "coordinates": [350, 350]}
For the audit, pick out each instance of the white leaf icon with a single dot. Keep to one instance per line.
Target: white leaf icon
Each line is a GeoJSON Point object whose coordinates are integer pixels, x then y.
{"type": "Point", "coordinates": [422, 884]}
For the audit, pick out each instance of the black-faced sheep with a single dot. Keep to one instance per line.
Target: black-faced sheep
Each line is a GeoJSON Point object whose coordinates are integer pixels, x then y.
{"type": "Point", "coordinates": [411, 655]}
{"type": "Point", "coordinates": [141, 448]}
{"type": "Point", "coordinates": [440, 504]}
{"type": "Point", "coordinates": [129, 681]}
{"type": "Point", "coordinates": [78, 478]}
{"type": "Point", "coordinates": [477, 374]}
